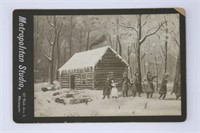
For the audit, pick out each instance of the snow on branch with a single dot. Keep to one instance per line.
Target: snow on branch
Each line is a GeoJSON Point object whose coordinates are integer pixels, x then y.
{"type": "Point", "coordinates": [48, 57]}
{"type": "Point", "coordinates": [50, 42]}
{"type": "Point", "coordinates": [152, 33]}
{"type": "Point", "coordinates": [49, 22]}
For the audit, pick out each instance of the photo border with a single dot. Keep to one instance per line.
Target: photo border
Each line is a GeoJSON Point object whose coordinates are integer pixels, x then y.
{"type": "Point", "coordinates": [28, 91]}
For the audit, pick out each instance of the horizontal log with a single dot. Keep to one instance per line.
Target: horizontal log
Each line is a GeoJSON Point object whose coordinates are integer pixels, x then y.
{"type": "Point", "coordinates": [110, 63]}
{"type": "Point", "coordinates": [110, 68]}
{"type": "Point", "coordinates": [104, 79]}
{"type": "Point", "coordinates": [64, 78]}
{"type": "Point", "coordinates": [111, 60]}
{"type": "Point", "coordinates": [84, 86]}
{"type": "Point", "coordinates": [105, 75]}
{"type": "Point", "coordinates": [64, 81]}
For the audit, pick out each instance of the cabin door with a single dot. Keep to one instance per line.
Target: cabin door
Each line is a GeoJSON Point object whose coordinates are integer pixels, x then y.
{"type": "Point", "coordinates": [72, 81]}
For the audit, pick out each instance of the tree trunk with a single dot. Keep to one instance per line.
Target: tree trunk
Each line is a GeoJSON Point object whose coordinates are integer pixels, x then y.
{"type": "Point", "coordinates": [166, 47]}
{"type": "Point", "coordinates": [177, 73]}
{"type": "Point", "coordinates": [138, 52]}
{"type": "Point", "coordinates": [88, 40]}
{"type": "Point", "coordinates": [129, 52]}
{"type": "Point", "coordinates": [156, 63]}
{"type": "Point", "coordinates": [58, 58]}
{"type": "Point", "coordinates": [139, 69]}
{"type": "Point", "coordinates": [70, 43]}
{"type": "Point", "coordinates": [81, 39]}
{"type": "Point", "coordinates": [165, 68]}
{"type": "Point", "coordinates": [120, 46]}
{"type": "Point", "coordinates": [51, 69]}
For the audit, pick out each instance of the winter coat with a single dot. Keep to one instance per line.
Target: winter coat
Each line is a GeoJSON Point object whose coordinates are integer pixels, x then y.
{"type": "Point", "coordinates": [150, 87]}
{"type": "Point", "coordinates": [125, 82]}
{"type": "Point", "coordinates": [107, 88]}
{"type": "Point", "coordinates": [136, 85]}
{"type": "Point", "coordinates": [163, 88]}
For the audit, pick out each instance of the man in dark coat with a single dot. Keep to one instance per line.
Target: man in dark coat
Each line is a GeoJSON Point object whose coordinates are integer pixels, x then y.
{"type": "Point", "coordinates": [125, 82]}
{"type": "Point", "coordinates": [136, 86]}
{"type": "Point", "coordinates": [177, 89]}
{"type": "Point", "coordinates": [107, 88]}
{"type": "Point", "coordinates": [163, 88]}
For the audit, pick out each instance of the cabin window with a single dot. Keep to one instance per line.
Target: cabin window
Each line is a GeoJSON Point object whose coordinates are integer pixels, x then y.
{"type": "Point", "coordinates": [83, 79]}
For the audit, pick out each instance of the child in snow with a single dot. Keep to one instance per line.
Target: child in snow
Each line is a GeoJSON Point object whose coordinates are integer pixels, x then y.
{"type": "Point", "coordinates": [114, 91]}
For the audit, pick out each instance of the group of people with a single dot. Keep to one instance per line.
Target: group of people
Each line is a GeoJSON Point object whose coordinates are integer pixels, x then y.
{"type": "Point", "coordinates": [111, 90]}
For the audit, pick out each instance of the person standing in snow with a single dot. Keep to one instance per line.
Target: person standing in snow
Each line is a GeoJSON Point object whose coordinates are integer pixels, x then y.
{"type": "Point", "coordinates": [163, 88]}
{"type": "Point", "coordinates": [107, 88]}
{"type": "Point", "coordinates": [125, 81]}
{"type": "Point", "coordinates": [136, 85]}
{"type": "Point", "coordinates": [114, 90]}
{"type": "Point", "coordinates": [177, 89]}
{"type": "Point", "coordinates": [150, 87]}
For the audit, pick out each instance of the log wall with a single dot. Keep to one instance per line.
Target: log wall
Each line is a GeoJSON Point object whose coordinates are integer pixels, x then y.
{"type": "Point", "coordinates": [89, 78]}
{"type": "Point", "coordinates": [109, 63]}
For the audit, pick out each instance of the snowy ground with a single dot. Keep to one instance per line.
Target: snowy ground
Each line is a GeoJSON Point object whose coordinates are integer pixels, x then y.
{"type": "Point", "coordinates": [45, 105]}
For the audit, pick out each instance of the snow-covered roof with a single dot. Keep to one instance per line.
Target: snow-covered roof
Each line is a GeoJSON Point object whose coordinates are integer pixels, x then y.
{"type": "Point", "coordinates": [87, 59]}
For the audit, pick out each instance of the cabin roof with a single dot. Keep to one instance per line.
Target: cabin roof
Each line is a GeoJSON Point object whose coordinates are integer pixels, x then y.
{"type": "Point", "coordinates": [88, 59]}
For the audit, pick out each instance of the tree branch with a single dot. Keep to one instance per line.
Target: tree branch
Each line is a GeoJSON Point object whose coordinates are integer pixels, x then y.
{"type": "Point", "coordinates": [142, 57]}
{"type": "Point", "coordinates": [85, 23]}
{"type": "Point", "coordinates": [151, 29]}
{"type": "Point", "coordinates": [60, 29]}
{"type": "Point", "coordinates": [152, 33]}
{"type": "Point", "coordinates": [130, 27]}
{"type": "Point", "coordinates": [129, 50]}
{"type": "Point", "coordinates": [47, 57]}
{"type": "Point", "coordinates": [176, 42]}
{"type": "Point", "coordinates": [158, 36]}
{"type": "Point", "coordinates": [49, 22]}
{"type": "Point", "coordinates": [145, 20]}
{"type": "Point", "coordinates": [161, 57]}
{"type": "Point", "coordinates": [49, 41]}
{"type": "Point", "coordinates": [162, 50]}
{"type": "Point", "coordinates": [135, 47]}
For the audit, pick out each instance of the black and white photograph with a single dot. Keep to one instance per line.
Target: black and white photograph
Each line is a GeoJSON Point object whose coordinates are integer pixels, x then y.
{"type": "Point", "coordinates": [107, 65]}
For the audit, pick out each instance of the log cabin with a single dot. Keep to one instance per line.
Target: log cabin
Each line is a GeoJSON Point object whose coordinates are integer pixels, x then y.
{"type": "Point", "coordinates": [89, 69]}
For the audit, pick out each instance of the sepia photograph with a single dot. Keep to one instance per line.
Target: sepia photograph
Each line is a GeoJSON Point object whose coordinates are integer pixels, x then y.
{"type": "Point", "coordinates": [107, 65]}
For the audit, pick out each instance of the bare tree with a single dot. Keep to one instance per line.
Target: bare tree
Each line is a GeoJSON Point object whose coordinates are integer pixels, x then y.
{"type": "Point", "coordinates": [156, 67]}
{"type": "Point", "coordinates": [165, 49]}
{"type": "Point", "coordinates": [129, 60]}
{"type": "Point", "coordinates": [178, 69]}
{"type": "Point", "coordinates": [81, 39]}
{"type": "Point", "coordinates": [118, 42]}
{"type": "Point", "coordinates": [141, 39]}
{"type": "Point", "coordinates": [53, 42]}
{"type": "Point", "coordinates": [72, 26]}
{"type": "Point", "coordinates": [38, 31]}
{"type": "Point", "coordinates": [89, 30]}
